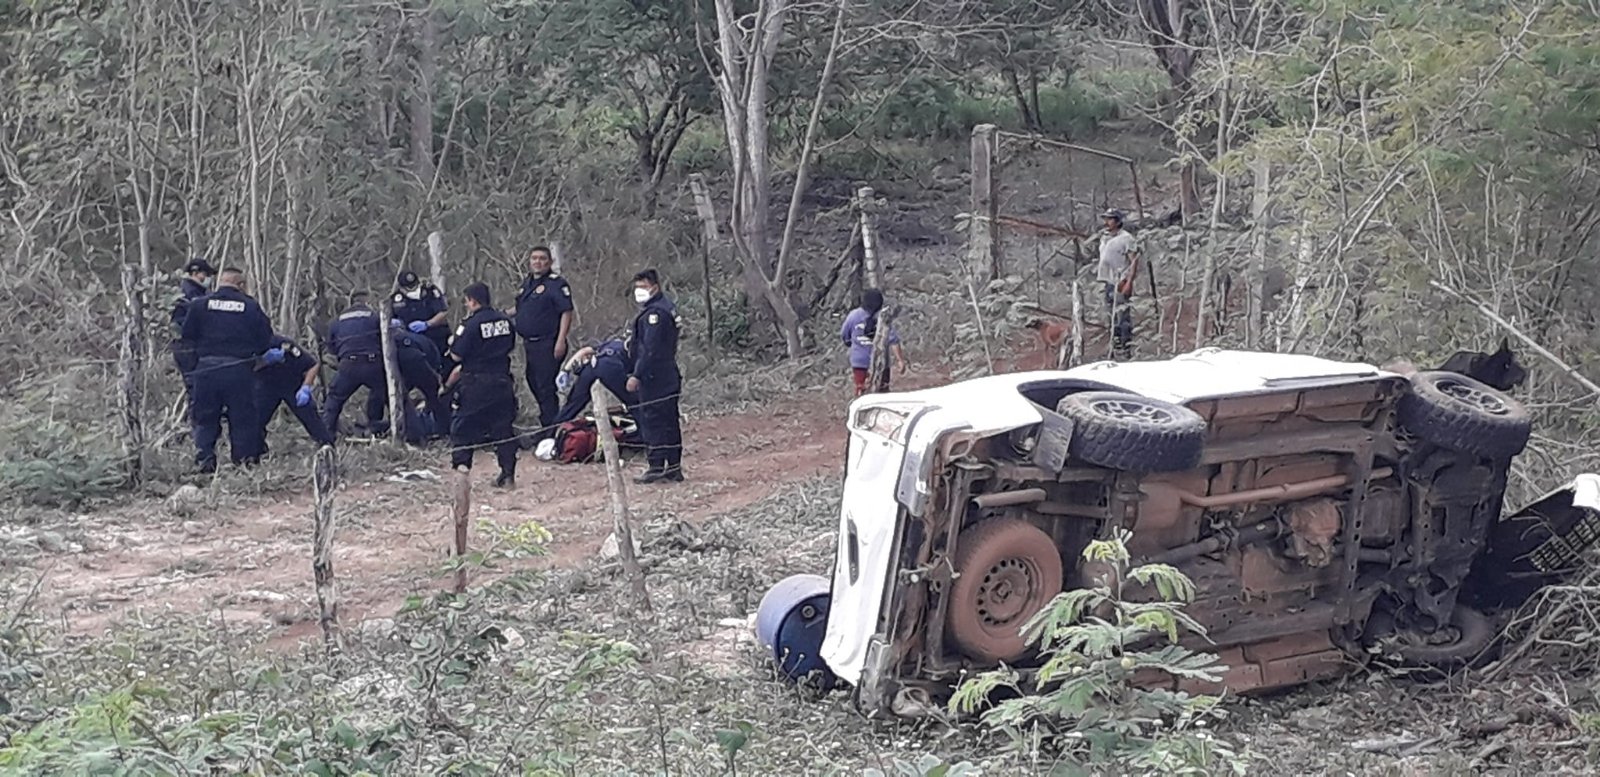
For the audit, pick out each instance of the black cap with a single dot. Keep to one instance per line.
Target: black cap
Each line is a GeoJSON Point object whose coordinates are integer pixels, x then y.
{"type": "Point", "coordinates": [407, 279]}
{"type": "Point", "coordinates": [1113, 214]}
{"type": "Point", "coordinates": [199, 265]}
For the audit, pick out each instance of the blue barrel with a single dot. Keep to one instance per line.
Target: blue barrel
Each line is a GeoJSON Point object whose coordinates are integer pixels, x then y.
{"type": "Point", "coordinates": [791, 621]}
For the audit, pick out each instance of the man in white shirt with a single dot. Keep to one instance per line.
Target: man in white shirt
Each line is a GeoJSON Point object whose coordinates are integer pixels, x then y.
{"type": "Point", "coordinates": [1119, 258]}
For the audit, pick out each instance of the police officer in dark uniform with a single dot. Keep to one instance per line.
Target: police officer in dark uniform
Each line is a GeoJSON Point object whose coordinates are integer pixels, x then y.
{"type": "Point", "coordinates": [229, 331]}
{"type": "Point", "coordinates": [607, 363]}
{"type": "Point", "coordinates": [655, 379]}
{"type": "Point", "coordinates": [196, 274]}
{"type": "Point", "coordinates": [289, 383]}
{"type": "Point", "coordinates": [544, 318]}
{"type": "Point", "coordinates": [486, 398]}
{"type": "Point", "coordinates": [355, 341]}
{"type": "Point", "coordinates": [419, 372]}
{"type": "Point", "coordinates": [421, 308]}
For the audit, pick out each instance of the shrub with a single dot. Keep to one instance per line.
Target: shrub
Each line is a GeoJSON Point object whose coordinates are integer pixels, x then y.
{"type": "Point", "coordinates": [1096, 643]}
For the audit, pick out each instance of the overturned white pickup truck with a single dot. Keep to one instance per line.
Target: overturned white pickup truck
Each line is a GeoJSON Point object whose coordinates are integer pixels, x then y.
{"type": "Point", "coordinates": [1317, 505]}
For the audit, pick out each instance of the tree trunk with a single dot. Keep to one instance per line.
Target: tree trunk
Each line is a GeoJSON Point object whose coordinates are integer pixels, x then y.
{"type": "Point", "coordinates": [872, 276]}
{"type": "Point", "coordinates": [324, 479]}
{"type": "Point", "coordinates": [436, 259]}
{"type": "Point", "coordinates": [391, 373]}
{"type": "Point", "coordinates": [131, 375]}
{"type": "Point", "coordinates": [422, 97]}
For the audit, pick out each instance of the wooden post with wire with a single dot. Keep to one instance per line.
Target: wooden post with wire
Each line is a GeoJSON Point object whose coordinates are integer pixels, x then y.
{"type": "Point", "coordinates": [391, 375]}
{"type": "Point", "coordinates": [871, 270]}
{"type": "Point", "coordinates": [602, 400]}
{"type": "Point", "coordinates": [983, 245]}
{"type": "Point", "coordinates": [707, 213]}
{"type": "Point", "coordinates": [461, 508]}
{"type": "Point", "coordinates": [324, 479]}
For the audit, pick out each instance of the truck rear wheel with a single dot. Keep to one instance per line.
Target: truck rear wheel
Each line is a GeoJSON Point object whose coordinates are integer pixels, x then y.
{"type": "Point", "coordinates": [1133, 433]}
{"type": "Point", "coordinates": [1456, 412]}
{"type": "Point", "coordinates": [1008, 570]}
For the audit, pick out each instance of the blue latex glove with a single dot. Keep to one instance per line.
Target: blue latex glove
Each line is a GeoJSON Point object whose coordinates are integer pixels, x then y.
{"type": "Point", "coordinates": [302, 397]}
{"type": "Point", "coordinates": [418, 326]}
{"type": "Point", "coordinates": [564, 381]}
{"type": "Point", "coordinates": [273, 356]}
{"type": "Point", "coordinates": [396, 323]}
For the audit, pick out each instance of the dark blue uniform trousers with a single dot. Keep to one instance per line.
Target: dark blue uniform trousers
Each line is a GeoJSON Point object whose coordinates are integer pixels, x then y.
{"type": "Point", "coordinates": [270, 396]}
{"type": "Point", "coordinates": [541, 371]}
{"type": "Point", "coordinates": [611, 373]}
{"type": "Point", "coordinates": [487, 408]}
{"type": "Point", "coordinates": [418, 375]}
{"type": "Point", "coordinates": [354, 373]}
{"type": "Point", "coordinates": [659, 424]}
{"type": "Point", "coordinates": [225, 385]}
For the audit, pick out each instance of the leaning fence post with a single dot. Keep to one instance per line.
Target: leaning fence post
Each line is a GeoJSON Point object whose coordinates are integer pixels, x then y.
{"type": "Point", "coordinates": [324, 479]}
{"type": "Point", "coordinates": [462, 509]}
{"type": "Point", "coordinates": [602, 401]}
{"type": "Point", "coordinates": [983, 250]}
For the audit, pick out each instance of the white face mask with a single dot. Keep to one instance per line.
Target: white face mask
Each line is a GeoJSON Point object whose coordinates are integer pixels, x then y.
{"type": "Point", "coordinates": [414, 293]}
{"type": "Point", "coordinates": [641, 296]}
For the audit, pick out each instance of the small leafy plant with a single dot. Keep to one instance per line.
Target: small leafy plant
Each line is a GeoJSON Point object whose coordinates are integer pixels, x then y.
{"type": "Point", "coordinates": [1091, 700]}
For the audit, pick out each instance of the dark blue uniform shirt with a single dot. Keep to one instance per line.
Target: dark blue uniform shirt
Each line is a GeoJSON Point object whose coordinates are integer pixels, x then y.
{"type": "Point", "coordinates": [404, 338]}
{"type": "Point", "coordinates": [614, 349]}
{"type": "Point", "coordinates": [540, 304]}
{"type": "Point", "coordinates": [291, 372]}
{"type": "Point", "coordinates": [430, 304]}
{"type": "Point", "coordinates": [654, 347]}
{"type": "Point", "coordinates": [227, 323]}
{"type": "Point", "coordinates": [483, 343]}
{"type": "Point", "coordinates": [355, 333]}
{"type": "Point", "coordinates": [190, 291]}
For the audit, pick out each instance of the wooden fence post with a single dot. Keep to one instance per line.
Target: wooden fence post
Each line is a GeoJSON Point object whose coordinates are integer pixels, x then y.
{"type": "Point", "coordinates": [436, 259]}
{"type": "Point", "coordinates": [866, 200]}
{"type": "Point", "coordinates": [983, 247]}
{"type": "Point", "coordinates": [1255, 305]}
{"type": "Point", "coordinates": [324, 479]}
{"type": "Point", "coordinates": [391, 375]}
{"type": "Point", "coordinates": [708, 238]}
{"type": "Point", "coordinates": [622, 524]}
{"type": "Point", "coordinates": [462, 510]}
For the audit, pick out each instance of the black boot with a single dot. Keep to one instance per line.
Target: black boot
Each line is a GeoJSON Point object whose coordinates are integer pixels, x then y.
{"type": "Point", "coordinates": [506, 480]}
{"type": "Point", "coordinates": [673, 472]}
{"type": "Point", "coordinates": [654, 474]}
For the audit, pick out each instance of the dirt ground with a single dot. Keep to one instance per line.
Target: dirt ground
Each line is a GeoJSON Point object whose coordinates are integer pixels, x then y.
{"type": "Point", "coordinates": [248, 560]}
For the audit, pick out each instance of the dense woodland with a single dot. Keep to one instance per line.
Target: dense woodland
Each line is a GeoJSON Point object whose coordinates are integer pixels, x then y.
{"type": "Point", "coordinates": [1367, 179]}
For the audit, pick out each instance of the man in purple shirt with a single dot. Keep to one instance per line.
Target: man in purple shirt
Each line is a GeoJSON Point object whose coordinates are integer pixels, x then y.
{"type": "Point", "coordinates": [859, 332]}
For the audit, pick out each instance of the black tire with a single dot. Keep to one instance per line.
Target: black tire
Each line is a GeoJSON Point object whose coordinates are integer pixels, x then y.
{"type": "Point", "coordinates": [1133, 433]}
{"type": "Point", "coordinates": [1007, 571]}
{"type": "Point", "coordinates": [1456, 412]}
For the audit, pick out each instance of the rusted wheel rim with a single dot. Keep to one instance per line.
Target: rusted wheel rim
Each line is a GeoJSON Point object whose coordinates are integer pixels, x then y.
{"type": "Point", "coordinates": [1473, 396]}
{"type": "Point", "coordinates": [1140, 411]}
{"type": "Point", "coordinates": [1006, 592]}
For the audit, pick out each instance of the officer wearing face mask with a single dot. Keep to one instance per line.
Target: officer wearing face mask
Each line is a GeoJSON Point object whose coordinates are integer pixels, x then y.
{"type": "Point", "coordinates": [422, 310]}
{"type": "Point", "coordinates": [653, 350]}
{"type": "Point", "coordinates": [544, 318]}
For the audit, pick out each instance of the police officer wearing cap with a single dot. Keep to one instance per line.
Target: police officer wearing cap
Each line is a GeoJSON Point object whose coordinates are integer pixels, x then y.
{"type": "Point", "coordinates": [607, 363]}
{"type": "Point", "coordinates": [419, 365]}
{"type": "Point", "coordinates": [355, 341]}
{"type": "Point", "coordinates": [289, 382]}
{"type": "Point", "coordinates": [228, 331]}
{"type": "Point", "coordinates": [544, 319]}
{"type": "Point", "coordinates": [421, 308]}
{"type": "Point", "coordinates": [196, 274]}
{"type": "Point", "coordinates": [486, 397]}
{"type": "Point", "coordinates": [653, 349]}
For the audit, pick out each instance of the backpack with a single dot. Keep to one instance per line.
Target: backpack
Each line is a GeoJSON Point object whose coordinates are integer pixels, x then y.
{"type": "Point", "coordinates": [579, 440]}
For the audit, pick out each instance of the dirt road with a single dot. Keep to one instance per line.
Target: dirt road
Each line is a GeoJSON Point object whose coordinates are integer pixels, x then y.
{"type": "Point", "coordinates": [252, 564]}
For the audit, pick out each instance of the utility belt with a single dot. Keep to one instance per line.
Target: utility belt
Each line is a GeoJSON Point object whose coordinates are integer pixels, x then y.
{"type": "Point", "coordinates": [549, 338]}
{"type": "Point", "coordinates": [362, 358]}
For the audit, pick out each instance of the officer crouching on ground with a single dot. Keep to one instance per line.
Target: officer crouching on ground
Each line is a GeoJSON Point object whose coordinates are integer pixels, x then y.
{"type": "Point", "coordinates": [422, 310]}
{"type": "Point", "coordinates": [196, 274]}
{"type": "Point", "coordinates": [228, 331]}
{"type": "Point", "coordinates": [655, 379]}
{"type": "Point", "coordinates": [607, 363]}
{"type": "Point", "coordinates": [419, 372]}
{"type": "Point", "coordinates": [289, 383]}
{"type": "Point", "coordinates": [486, 397]}
{"type": "Point", "coordinates": [355, 341]}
